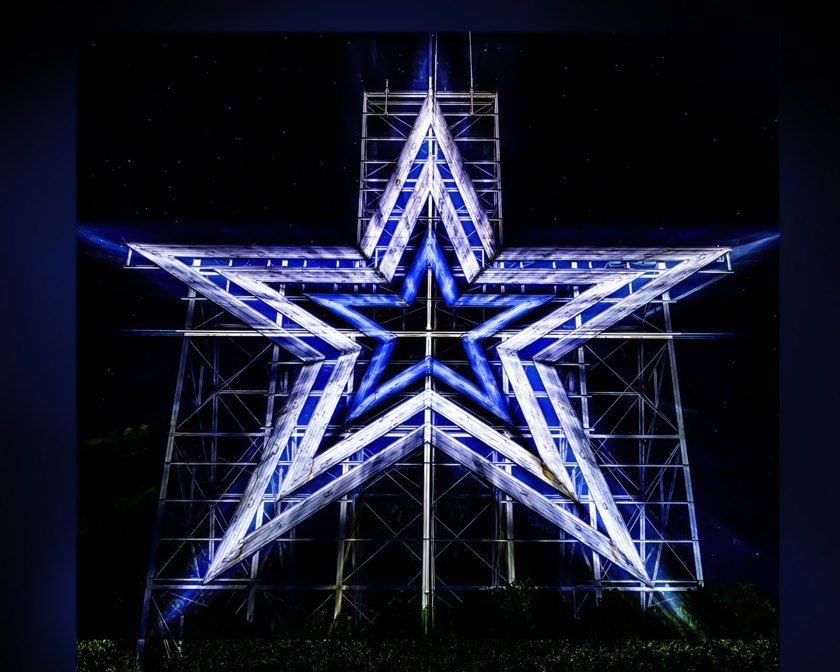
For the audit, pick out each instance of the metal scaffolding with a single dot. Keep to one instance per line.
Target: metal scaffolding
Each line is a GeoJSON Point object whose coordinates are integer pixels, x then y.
{"type": "Point", "coordinates": [543, 442]}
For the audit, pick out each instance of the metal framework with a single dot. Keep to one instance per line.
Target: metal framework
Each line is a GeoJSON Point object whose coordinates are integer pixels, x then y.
{"type": "Point", "coordinates": [426, 415]}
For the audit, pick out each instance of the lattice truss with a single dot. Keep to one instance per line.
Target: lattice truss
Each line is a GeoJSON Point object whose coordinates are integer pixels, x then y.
{"type": "Point", "coordinates": [428, 413]}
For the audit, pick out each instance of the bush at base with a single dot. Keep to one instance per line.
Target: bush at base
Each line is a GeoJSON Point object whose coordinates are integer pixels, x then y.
{"type": "Point", "coordinates": [336, 655]}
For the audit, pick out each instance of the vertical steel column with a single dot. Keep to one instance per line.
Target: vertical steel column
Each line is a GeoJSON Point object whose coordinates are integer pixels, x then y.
{"type": "Point", "coordinates": [343, 546]}
{"type": "Point", "coordinates": [214, 446]}
{"type": "Point", "coordinates": [503, 528]}
{"type": "Point", "coordinates": [427, 601]}
{"type": "Point", "coordinates": [428, 570]}
{"type": "Point", "coordinates": [341, 552]}
{"type": "Point", "coordinates": [498, 165]}
{"type": "Point", "coordinates": [269, 423]}
{"type": "Point", "coordinates": [658, 380]}
{"type": "Point", "coordinates": [496, 548]}
{"type": "Point", "coordinates": [362, 169]}
{"type": "Point", "coordinates": [585, 419]}
{"type": "Point", "coordinates": [347, 550]}
{"type": "Point", "coordinates": [504, 503]}
{"type": "Point", "coordinates": [641, 429]}
{"type": "Point", "coordinates": [510, 556]}
{"type": "Point", "coordinates": [510, 545]}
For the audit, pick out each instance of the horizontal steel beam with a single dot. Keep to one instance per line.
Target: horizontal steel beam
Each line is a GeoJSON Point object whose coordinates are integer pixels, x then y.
{"type": "Point", "coordinates": [520, 254]}
{"type": "Point", "coordinates": [313, 252]}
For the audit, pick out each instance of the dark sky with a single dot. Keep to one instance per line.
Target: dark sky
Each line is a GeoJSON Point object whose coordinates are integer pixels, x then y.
{"type": "Point", "coordinates": [605, 140]}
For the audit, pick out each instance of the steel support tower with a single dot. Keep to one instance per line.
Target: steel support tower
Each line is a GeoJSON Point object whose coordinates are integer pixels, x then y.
{"type": "Point", "coordinates": [469, 500]}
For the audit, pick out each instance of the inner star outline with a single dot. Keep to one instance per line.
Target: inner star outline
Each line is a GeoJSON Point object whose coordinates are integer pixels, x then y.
{"type": "Point", "coordinates": [609, 284]}
{"type": "Point", "coordinates": [430, 256]}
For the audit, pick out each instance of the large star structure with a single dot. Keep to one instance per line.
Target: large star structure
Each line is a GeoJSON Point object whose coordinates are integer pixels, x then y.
{"type": "Point", "coordinates": [430, 256]}
{"type": "Point", "coordinates": [257, 285]}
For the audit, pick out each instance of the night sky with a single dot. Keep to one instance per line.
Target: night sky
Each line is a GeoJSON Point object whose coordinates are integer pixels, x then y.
{"type": "Point", "coordinates": [254, 139]}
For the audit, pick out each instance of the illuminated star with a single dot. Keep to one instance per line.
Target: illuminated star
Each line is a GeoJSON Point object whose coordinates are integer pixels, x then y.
{"type": "Point", "coordinates": [254, 284]}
